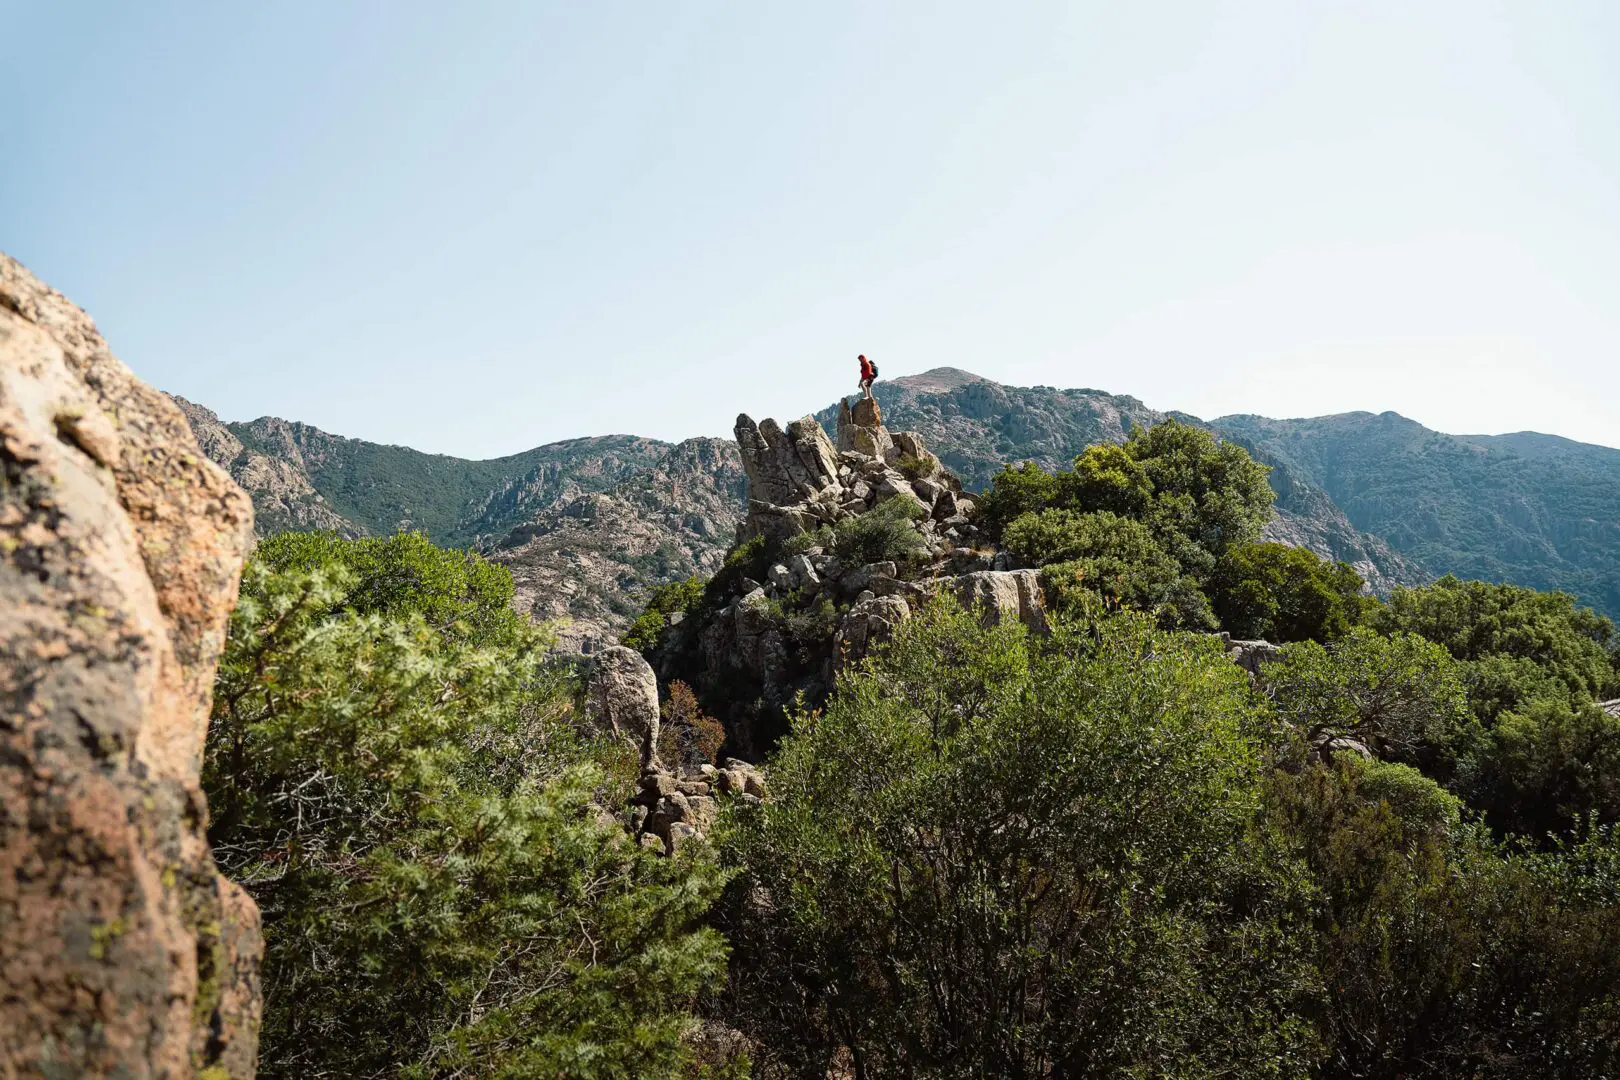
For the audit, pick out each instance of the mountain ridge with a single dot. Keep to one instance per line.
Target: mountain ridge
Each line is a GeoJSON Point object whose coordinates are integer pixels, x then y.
{"type": "Point", "coordinates": [589, 524]}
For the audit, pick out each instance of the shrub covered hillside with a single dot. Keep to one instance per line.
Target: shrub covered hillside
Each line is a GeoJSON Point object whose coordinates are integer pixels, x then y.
{"type": "Point", "coordinates": [1018, 812]}
{"type": "Point", "coordinates": [1103, 852]}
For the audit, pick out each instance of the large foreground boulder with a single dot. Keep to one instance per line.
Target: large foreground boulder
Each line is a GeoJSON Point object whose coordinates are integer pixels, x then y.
{"type": "Point", "coordinates": [122, 950]}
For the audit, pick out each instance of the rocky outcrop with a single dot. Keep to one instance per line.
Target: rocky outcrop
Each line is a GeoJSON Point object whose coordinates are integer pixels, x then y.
{"type": "Point", "coordinates": [1611, 707]}
{"type": "Point", "coordinates": [798, 482]}
{"type": "Point", "coordinates": [785, 466]}
{"type": "Point", "coordinates": [671, 809]}
{"type": "Point", "coordinates": [122, 950]}
{"type": "Point", "coordinates": [1251, 656]}
{"type": "Point", "coordinates": [861, 431]}
{"type": "Point", "coordinates": [624, 699]}
{"type": "Point", "coordinates": [871, 621]}
{"type": "Point", "coordinates": [777, 633]}
{"type": "Point", "coordinates": [1004, 594]}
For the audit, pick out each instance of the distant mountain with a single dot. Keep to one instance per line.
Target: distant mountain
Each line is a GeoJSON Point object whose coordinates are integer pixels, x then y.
{"type": "Point", "coordinates": [368, 488]}
{"type": "Point", "coordinates": [588, 525]}
{"type": "Point", "coordinates": [592, 557]}
{"type": "Point", "coordinates": [1532, 509]}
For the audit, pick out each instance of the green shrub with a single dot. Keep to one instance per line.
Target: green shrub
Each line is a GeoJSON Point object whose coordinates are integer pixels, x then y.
{"type": "Point", "coordinates": [1015, 491]}
{"type": "Point", "coordinates": [412, 810]}
{"type": "Point", "coordinates": [1441, 952]}
{"type": "Point", "coordinates": [1199, 496]}
{"type": "Point", "coordinates": [804, 542]}
{"type": "Point", "coordinates": [1210, 492]}
{"type": "Point", "coordinates": [676, 597]}
{"type": "Point", "coordinates": [458, 593]}
{"type": "Point", "coordinates": [913, 467]}
{"type": "Point", "coordinates": [1545, 767]}
{"type": "Point", "coordinates": [1283, 593]}
{"type": "Point", "coordinates": [884, 533]}
{"type": "Point", "coordinates": [811, 623]}
{"type": "Point", "coordinates": [996, 856]}
{"type": "Point", "coordinates": [1418, 801]}
{"type": "Point", "coordinates": [746, 560]}
{"type": "Point", "coordinates": [1115, 558]}
{"type": "Point", "coordinates": [1402, 696]}
{"type": "Point", "coordinates": [1107, 477]}
{"type": "Point", "coordinates": [1476, 620]}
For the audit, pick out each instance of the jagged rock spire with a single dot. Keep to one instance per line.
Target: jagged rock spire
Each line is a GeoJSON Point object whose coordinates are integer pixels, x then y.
{"type": "Point", "coordinates": [786, 466]}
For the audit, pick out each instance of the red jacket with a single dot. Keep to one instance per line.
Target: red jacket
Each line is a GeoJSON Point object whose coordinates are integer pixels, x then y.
{"type": "Point", "coordinates": [866, 370]}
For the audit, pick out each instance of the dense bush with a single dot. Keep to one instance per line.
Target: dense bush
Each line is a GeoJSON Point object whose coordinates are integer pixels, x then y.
{"type": "Point", "coordinates": [1543, 768]}
{"type": "Point", "coordinates": [411, 808]}
{"type": "Point", "coordinates": [913, 467]}
{"type": "Point", "coordinates": [885, 533]}
{"type": "Point", "coordinates": [1146, 524]}
{"type": "Point", "coordinates": [1443, 953]}
{"type": "Point", "coordinates": [1401, 696]}
{"type": "Point", "coordinates": [1283, 593]}
{"type": "Point", "coordinates": [1198, 494]}
{"type": "Point", "coordinates": [1101, 854]}
{"type": "Point", "coordinates": [1542, 757]}
{"type": "Point", "coordinates": [1113, 557]}
{"type": "Point", "coordinates": [457, 593]}
{"type": "Point", "coordinates": [1478, 620]}
{"type": "Point", "coordinates": [995, 856]}
{"type": "Point", "coordinates": [1208, 491]}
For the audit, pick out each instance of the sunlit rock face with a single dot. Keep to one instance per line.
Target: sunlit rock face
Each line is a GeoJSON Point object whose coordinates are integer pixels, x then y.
{"type": "Point", "coordinates": [123, 952]}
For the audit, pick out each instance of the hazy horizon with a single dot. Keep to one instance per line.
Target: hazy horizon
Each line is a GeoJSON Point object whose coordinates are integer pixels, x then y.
{"type": "Point", "coordinates": [477, 230]}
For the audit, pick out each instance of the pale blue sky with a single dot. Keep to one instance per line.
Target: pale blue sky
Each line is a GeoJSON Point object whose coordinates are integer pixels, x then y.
{"type": "Point", "coordinates": [476, 227]}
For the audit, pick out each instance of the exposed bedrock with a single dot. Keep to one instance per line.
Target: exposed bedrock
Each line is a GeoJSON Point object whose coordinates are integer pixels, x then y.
{"type": "Point", "coordinates": [123, 952]}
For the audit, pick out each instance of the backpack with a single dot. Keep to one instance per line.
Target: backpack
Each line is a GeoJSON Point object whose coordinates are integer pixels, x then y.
{"type": "Point", "coordinates": [874, 371]}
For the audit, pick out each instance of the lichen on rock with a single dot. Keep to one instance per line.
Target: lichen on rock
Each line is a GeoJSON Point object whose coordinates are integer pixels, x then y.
{"type": "Point", "coordinates": [122, 950]}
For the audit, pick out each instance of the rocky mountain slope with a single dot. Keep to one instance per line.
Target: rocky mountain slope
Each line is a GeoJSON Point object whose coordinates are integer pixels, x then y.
{"type": "Point", "coordinates": [591, 558]}
{"type": "Point", "coordinates": [301, 477]}
{"type": "Point", "coordinates": [586, 525]}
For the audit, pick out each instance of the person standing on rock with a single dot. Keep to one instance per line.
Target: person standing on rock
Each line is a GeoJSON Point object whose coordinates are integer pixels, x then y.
{"type": "Point", "coordinates": [868, 375]}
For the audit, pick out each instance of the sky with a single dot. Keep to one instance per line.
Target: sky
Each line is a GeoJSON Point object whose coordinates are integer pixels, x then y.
{"type": "Point", "coordinates": [473, 228]}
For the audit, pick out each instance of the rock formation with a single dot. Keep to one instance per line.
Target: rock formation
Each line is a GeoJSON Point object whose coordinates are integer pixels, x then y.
{"type": "Point", "coordinates": [624, 700]}
{"type": "Point", "coordinates": [1251, 656]}
{"type": "Point", "coordinates": [672, 805]}
{"type": "Point", "coordinates": [672, 808]}
{"type": "Point", "coordinates": [123, 952]}
{"type": "Point", "coordinates": [780, 632]}
{"type": "Point", "coordinates": [798, 481]}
